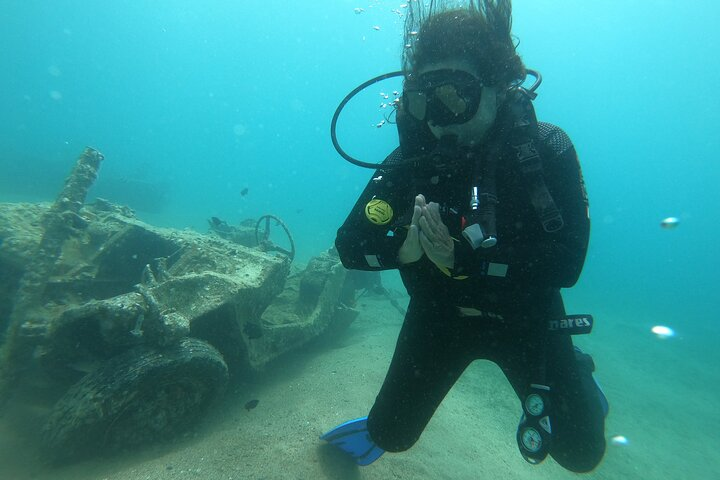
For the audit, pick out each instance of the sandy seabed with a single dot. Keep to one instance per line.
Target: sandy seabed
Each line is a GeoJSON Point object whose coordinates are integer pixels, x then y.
{"type": "Point", "coordinates": [671, 425]}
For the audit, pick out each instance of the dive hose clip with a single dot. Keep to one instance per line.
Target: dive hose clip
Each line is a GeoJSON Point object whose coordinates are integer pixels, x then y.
{"type": "Point", "coordinates": [476, 238]}
{"type": "Point", "coordinates": [474, 233]}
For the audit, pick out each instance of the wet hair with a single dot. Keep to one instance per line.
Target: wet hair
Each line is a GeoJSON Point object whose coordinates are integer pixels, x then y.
{"type": "Point", "coordinates": [479, 33]}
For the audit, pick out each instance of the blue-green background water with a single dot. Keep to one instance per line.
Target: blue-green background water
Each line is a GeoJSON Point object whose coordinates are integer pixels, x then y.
{"type": "Point", "coordinates": [191, 102]}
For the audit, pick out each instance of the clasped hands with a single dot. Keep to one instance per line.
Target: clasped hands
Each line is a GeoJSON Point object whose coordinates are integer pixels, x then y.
{"type": "Point", "coordinates": [427, 235]}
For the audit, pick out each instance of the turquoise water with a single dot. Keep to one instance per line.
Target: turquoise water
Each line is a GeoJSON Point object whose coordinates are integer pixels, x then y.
{"type": "Point", "coordinates": [193, 102]}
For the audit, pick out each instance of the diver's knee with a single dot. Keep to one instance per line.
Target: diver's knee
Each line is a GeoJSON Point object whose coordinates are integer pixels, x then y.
{"type": "Point", "coordinates": [582, 458]}
{"type": "Point", "coordinates": [586, 366]}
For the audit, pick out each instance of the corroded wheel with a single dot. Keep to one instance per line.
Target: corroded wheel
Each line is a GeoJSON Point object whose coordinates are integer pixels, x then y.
{"type": "Point", "coordinates": [263, 240]}
{"type": "Point", "coordinates": [143, 395]}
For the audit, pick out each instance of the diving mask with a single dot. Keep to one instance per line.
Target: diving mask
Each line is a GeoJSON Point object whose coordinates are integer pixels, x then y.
{"type": "Point", "coordinates": [443, 97]}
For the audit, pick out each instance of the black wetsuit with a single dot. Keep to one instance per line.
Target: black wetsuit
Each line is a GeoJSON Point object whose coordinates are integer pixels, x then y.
{"type": "Point", "coordinates": [507, 297]}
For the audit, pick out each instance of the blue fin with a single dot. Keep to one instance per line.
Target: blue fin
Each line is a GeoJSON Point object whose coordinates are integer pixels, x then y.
{"type": "Point", "coordinates": [353, 438]}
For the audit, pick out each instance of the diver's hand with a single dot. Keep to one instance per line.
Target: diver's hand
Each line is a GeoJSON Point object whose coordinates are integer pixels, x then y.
{"type": "Point", "coordinates": [411, 251]}
{"type": "Point", "coordinates": [435, 239]}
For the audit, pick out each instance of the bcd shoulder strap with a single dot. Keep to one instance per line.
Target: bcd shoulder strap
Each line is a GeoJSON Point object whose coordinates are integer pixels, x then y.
{"type": "Point", "coordinates": [527, 157]}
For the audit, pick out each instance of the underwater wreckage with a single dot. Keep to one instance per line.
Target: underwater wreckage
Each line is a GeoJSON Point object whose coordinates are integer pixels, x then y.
{"type": "Point", "coordinates": [140, 328]}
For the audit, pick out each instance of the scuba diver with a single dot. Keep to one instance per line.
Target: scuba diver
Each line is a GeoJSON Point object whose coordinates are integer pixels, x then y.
{"type": "Point", "coordinates": [483, 210]}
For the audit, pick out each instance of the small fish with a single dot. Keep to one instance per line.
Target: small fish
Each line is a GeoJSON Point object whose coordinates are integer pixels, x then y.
{"type": "Point", "coordinates": [251, 404]}
{"type": "Point", "coordinates": [670, 222]}
{"type": "Point", "coordinates": [619, 440]}
{"type": "Point", "coordinates": [244, 191]}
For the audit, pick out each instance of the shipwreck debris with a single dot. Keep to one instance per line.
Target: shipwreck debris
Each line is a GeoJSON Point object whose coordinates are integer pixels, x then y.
{"type": "Point", "coordinates": [58, 224]}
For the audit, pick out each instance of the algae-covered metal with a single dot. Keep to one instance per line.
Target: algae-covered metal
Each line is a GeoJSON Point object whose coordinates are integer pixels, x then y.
{"type": "Point", "coordinates": [140, 328]}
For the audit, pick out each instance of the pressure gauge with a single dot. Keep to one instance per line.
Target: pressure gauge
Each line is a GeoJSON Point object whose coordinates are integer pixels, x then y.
{"type": "Point", "coordinates": [531, 440]}
{"type": "Point", "coordinates": [534, 404]}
